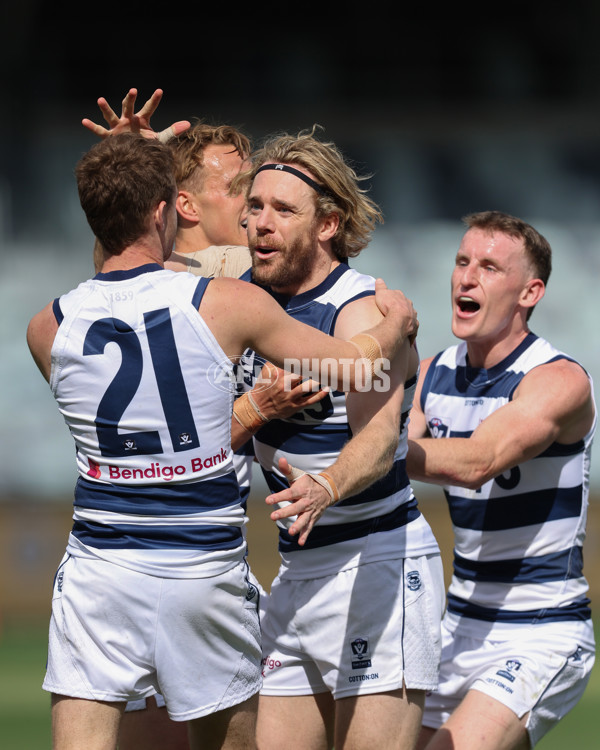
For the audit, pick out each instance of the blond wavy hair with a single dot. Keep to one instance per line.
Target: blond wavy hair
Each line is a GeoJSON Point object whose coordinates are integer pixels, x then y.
{"type": "Point", "coordinates": [358, 214]}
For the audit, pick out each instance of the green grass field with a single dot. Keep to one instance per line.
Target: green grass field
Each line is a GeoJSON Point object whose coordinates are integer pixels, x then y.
{"type": "Point", "coordinates": [25, 713]}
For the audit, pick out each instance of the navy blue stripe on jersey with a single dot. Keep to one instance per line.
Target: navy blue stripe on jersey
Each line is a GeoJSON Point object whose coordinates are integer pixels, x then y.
{"type": "Point", "coordinates": [394, 481]}
{"type": "Point", "coordinates": [302, 438]}
{"type": "Point", "coordinates": [199, 293]}
{"type": "Point", "coordinates": [467, 381]}
{"type": "Point", "coordinates": [58, 313]}
{"type": "Point", "coordinates": [321, 536]}
{"type": "Point", "coordinates": [245, 450]}
{"type": "Point", "coordinates": [300, 300]}
{"type": "Point", "coordinates": [160, 499]}
{"type": "Point", "coordinates": [128, 274]}
{"type": "Point", "coordinates": [556, 566]}
{"type": "Point", "coordinates": [558, 449]}
{"type": "Point", "coordinates": [124, 536]}
{"type": "Point", "coordinates": [170, 380]}
{"type": "Point", "coordinates": [578, 610]}
{"type": "Point", "coordinates": [515, 511]}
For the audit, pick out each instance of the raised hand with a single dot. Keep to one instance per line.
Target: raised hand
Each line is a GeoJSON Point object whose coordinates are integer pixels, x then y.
{"type": "Point", "coordinates": [134, 122]}
{"type": "Point", "coordinates": [389, 300]}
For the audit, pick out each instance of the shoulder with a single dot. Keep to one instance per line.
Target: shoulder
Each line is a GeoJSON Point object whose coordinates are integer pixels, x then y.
{"type": "Point", "coordinates": [562, 374]}
{"type": "Point", "coordinates": [235, 294]}
{"type": "Point", "coordinates": [237, 261]}
{"type": "Point", "coordinates": [218, 261]}
{"type": "Point", "coordinates": [560, 390]}
{"type": "Point", "coordinates": [41, 333]}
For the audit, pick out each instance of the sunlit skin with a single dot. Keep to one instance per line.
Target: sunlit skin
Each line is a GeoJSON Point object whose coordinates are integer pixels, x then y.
{"type": "Point", "coordinates": [217, 215]}
{"type": "Point", "coordinates": [289, 245]}
{"type": "Point", "coordinates": [493, 287]}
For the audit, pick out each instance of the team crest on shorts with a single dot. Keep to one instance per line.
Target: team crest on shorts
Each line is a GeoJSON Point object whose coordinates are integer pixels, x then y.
{"type": "Point", "coordinates": [252, 592]}
{"type": "Point", "coordinates": [360, 653]}
{"type": "Point", "coordinates": [413, 580]}
{"type": "Point", "coordinates": [512, 666]}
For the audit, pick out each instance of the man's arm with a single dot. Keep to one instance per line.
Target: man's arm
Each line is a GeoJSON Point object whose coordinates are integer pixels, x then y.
{"type": "Point", "coordinates": [276, 395]}
{"type": "Point", "coordinates": [242, 316]}
{"type": "Point", "coordinates": [374, 418]}
{"type": "Point", "coordinates": [41, 332]}
{"type": "Point", "coordinates": [553, 403]}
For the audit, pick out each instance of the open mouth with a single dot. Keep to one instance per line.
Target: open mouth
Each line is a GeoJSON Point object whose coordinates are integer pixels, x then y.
{"type": "Point", "coordinates": [467, 305]}
{"type": "Point", "coordinates": [264, 253]}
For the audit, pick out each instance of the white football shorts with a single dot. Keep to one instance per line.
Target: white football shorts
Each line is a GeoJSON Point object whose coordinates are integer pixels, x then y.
{"type": "Point", "coordinates": [140, 705]}
{"type": "Point", "coordinates": [541, 669]}
{"type": "Point", "coordinates": [364, 630]}
{"type": "Point", "coordinates": [120, 635]}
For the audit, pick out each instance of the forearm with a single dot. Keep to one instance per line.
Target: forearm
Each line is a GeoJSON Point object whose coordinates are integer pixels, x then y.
{"type": "Point", "coordinates": [453, 461]}
{"type": "Point", "coordinates": [367, 457]}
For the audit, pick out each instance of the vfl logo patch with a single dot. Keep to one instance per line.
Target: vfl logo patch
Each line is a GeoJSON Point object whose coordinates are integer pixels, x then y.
{"type": "Point", "coordinates": [130, 445]}
{"type": "Point", "coordinates": [512, 666]}
{"type": "Point", "coordinates": [185, 438]}
{"type": "Point", "coordinates": [360, 653]}
{"type": "Point", "coordinates": [438, 428]}
{"type": "Point", "coordinates": [413, 580]}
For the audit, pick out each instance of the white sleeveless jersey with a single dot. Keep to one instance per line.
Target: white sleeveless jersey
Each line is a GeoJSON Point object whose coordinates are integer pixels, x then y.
{"type": "Point", "coordinates": [519, 537]}
{"type": "Point", "coordinates": [231, 261]}
{"type": "Point", "coordinates": [383, 521]}
{"type": "Point", "coordinates": [147, 394]}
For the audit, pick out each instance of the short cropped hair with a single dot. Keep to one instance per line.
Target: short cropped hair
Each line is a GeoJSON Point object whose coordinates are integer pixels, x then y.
{"type": "Point", "coordinates": [188, 150]}
{"type": "Point", "coordinates": [341, 194]}
{"type": "Point", "coordinates": [537, 247]}
{"type": "Point", "coordinates": [121, 180]}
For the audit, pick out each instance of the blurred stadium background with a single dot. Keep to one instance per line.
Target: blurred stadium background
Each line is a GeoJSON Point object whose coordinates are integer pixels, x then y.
{"type": "Point", "coordinates": [448, 112]}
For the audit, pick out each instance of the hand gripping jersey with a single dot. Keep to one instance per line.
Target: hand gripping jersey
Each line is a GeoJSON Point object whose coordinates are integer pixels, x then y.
{"type": "Point", "coordinates": [147, 394]}
{"type": "Point", "coordinates": [519, 537]}
{"type": "Point", "coordinates": [383, 521]}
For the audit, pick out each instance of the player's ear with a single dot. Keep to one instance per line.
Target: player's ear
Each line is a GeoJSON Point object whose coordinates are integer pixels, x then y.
{"type": "Point", "coordinates": [532, 292]}
{"type": "Point", "coordinates": [186, 206]}
{"type": "Point", "coordinates": [329, 225]}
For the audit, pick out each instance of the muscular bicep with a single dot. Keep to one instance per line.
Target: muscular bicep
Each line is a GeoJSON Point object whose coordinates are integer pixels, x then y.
{"type": "Point", "coordinates": [552, 404]}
